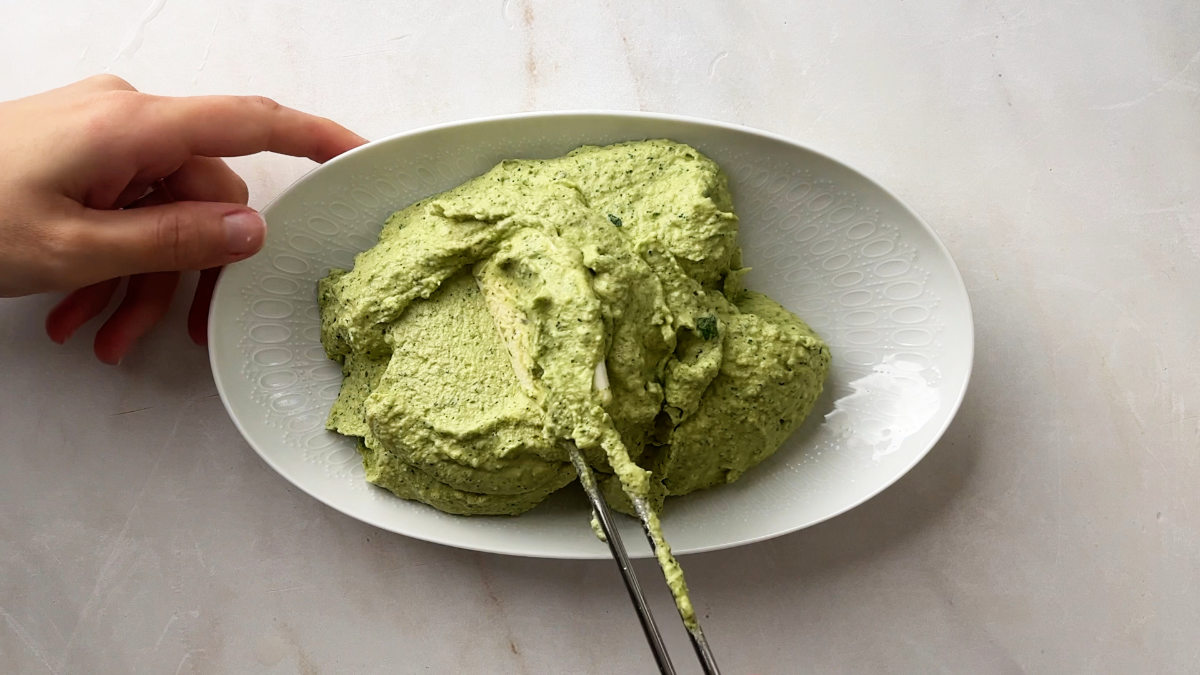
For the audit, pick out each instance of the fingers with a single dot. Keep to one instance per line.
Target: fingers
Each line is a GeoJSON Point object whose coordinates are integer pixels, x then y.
{"type": "Point", "coordinates": [168, 237]}
{"type": "Point", "coordinates": [119, 136]}
{"type": "Point", "coordinates": [147, 298]}
{"type": "Point", "coordinates": [197, 322]}
{"type": "Point", "coordinates": [115, 237]}
{"type": "Point", "coordinates": [206, 179]}
{"type": "Point", "coordinates": [229, 126]}
{"type": "Point", "coordinates": [78, 308]}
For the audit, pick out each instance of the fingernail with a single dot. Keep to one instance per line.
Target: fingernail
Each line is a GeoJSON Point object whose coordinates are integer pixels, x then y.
{"type": "Point", "coordinates": [244, 231]}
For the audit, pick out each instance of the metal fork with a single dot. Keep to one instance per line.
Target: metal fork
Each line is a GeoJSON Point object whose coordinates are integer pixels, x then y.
{"type": "Point", "coordinates": [613, 537]}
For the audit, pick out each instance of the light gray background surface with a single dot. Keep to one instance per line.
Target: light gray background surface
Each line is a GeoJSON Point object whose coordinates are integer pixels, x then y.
{"type": "Point", "coordinates": [1055, 528]}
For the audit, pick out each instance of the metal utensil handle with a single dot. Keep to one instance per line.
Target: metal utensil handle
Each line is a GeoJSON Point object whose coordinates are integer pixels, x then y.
{"type": "Point", "coordinates": [707, 662]}
{"type": "Point", "coordinates": [615, 545]}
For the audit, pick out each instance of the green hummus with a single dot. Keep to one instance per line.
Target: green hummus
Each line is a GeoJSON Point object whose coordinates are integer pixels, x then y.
{"type": "Point", "coordinates": [592, 299]}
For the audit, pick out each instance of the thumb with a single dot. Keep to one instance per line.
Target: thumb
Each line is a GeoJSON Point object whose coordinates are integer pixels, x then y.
{"type": "Point", "coordinates": [170, 237]}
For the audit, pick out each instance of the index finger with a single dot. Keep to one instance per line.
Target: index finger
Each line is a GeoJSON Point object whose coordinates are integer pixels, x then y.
{"type": "Point", "coordinates": [231, 126]}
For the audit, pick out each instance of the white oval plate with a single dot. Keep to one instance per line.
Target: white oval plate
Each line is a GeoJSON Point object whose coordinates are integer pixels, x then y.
{"type": "Point", "coordinates": [822, 239]}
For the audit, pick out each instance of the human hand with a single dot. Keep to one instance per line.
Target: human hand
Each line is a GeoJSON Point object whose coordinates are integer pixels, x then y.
{"type": "Point", "coordinates": [99, 182]}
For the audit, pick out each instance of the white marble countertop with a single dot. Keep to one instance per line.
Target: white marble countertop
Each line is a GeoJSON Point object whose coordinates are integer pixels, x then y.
{"type": "Point", "coordinates": [1055, 528]}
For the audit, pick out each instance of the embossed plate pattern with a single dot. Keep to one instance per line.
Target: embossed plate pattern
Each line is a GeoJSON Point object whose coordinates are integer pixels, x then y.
{"type": "Point", "coordinates": [822, 239]}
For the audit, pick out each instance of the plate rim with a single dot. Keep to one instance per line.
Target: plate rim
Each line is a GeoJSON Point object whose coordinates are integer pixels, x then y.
{"type": "Point", "coordinates": [601, 552]}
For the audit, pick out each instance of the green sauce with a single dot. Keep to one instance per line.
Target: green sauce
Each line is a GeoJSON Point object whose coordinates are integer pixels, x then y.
{"type": "Point", "coordinates": [592, 299]}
